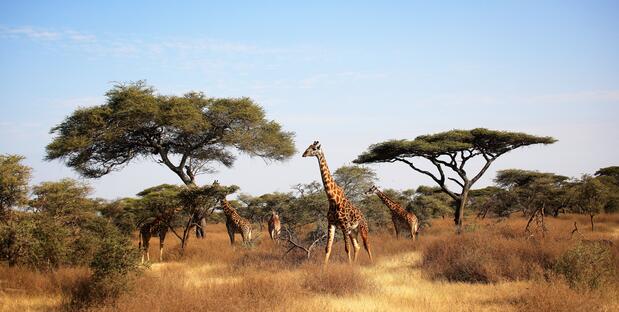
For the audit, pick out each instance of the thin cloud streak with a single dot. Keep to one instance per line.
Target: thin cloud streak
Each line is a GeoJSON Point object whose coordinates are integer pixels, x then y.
{"type": "Point", "coordinates": [133, 47]}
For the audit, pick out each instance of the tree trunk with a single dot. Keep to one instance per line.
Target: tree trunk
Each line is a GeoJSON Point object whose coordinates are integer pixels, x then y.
{"type": "Point", "coordinates": [591, 222]}
{"type": "Point", "coordinates": [459, 213]}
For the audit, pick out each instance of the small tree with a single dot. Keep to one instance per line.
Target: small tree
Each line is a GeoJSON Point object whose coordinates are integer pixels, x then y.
{"type": "Point", "coordinates": [66, 199]}
{"type": "Point", "coordinates": [355, 181]}
{"type": "Point", "coordinates": [610, 177]}
{"type": "Point", "coordinates": [430, 202]}
{"type": "Point", "coordinates": [451, 150]}
{"type": "Point", "coordinates": [14, 178]}
{"type": "Point", "coordinates": [531, 190]}
{"type": "Point", "coordinates": [591, 196]}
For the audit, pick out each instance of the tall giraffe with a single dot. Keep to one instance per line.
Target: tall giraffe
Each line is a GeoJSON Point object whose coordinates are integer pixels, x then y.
{"type": "Point", "coordinates": [234, 222]}
{"type": "Point", "coordinates": [275, 225]}
{"type": "Point", "coordinates": [157, 227]}
{"type": "Point", "coordinates": [401, 218]}
{"type": "Point", "coordinates": [342, 213]}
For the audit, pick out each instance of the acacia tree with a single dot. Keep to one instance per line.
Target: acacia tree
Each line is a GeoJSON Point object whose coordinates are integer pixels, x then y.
{"type": "Point", "coordinates": [609, 176]}
{"type": "Point", "coordinates": [188, 134]}
{"type": "Point", "coordinates": [14, 178]}
{"type": "Point", "coordinates": [451, 150]}
{"type": "Point", "coordinates": [591, 196]}
{"type": "Point", "coordinates": [530, 190]}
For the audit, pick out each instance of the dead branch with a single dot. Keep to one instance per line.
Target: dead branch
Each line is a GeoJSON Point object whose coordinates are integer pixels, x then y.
{"type": "Point", "coordinates": [295, 245]}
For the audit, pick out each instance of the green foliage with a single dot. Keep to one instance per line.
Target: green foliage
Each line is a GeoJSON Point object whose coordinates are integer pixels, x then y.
{"type": "Point", "coordinates": [430, 202]}
{"type": "Point", "coordinates": [135, 123]}
{"type": "Point", "coordinates": [258, 209]}
{"type": "Point", "coordinates": [480, 140]}
{"type": "Point", "coordinates": [589, 265]}
{"type": "Point", "coordinates": [14, 178]}
{"type": "Point", "coordinates": [609, 176]}
{"type": "Point", "coordinates": [612, 171]}
{"type": "Point", "coordinates": [122, 213]}
{"type": "Point", "coordinates": [355, 181]}
{"type": "Point", "coordinates": [592, 195]}
{"type": "Point", "coordinates": [35, 241]}
{"type": "Point", "coordinates": [113, 267]}
{"type": "Point", "coordinates": [528, 191]}
{"type": "Point", "coordinates": [66, 198]}
{"type": "Point", "coordinates": [451, 150]}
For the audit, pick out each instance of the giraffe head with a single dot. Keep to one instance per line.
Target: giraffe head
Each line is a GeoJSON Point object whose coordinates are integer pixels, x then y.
{"type": "Point", "coordinates": [372, 190]}
{"type": "Point", "coordinates": [313, 150]}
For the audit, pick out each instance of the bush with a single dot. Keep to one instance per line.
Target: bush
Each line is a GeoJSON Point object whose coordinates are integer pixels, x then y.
{"type": "Point", "coordinates": [487, 258]}
{"type": "Point", "coordinates": [113, 267]}
{"type": "Point", "coordinates": [337, 279]}
{"type": "Point", "coordinates": [588, 265]}
{"type": "Point", "coordinates": [555, 295]}
{"type": "Point", "coordinates": [33, 241]}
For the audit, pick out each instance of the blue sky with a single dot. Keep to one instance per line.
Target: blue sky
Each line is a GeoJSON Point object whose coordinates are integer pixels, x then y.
{"type": "Point", "coordinates": [347, 74]}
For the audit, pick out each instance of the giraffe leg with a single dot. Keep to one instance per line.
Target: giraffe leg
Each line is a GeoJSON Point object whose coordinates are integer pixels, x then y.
{"type": "Point", "coordinates": [145, 237]}
{"type": "Point", "coordinates": [413, 231]}
{"type": "Point", "coordinates": [140, 246]}
{"type": "Point", "coordinates": [355, 245]}
{"type": "Point", "coordinates": [331, 235]}
{"type": "Point", "coordinates": [230, 234]}
{"type": "Point", "coordinates": [397, 230]}
{"type": "Point", "coordinates": [366, 240]}
{"type": "Point", "coordinates": [162, 235]}
{"type": "Point", "coordinates": [347, 245]}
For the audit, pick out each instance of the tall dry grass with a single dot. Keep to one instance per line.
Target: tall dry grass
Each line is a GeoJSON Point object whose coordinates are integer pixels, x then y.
{"type": "Point", "coordinates": [213, 276]}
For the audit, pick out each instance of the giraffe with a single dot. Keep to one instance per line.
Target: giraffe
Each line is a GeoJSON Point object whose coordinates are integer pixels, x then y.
{"type": "Point", "coordinates": [401, 218]}
{"type": "Point", "coordinates": [234, 222]}
{"type": "Point", "coordinates": [157, 227]}
{"type": "Point", "coordinates": [275, 225]}
{"type": "Point", "coordinates": [342, 213]}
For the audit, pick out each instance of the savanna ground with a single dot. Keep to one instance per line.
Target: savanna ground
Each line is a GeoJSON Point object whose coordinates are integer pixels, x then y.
{"type": "Point", "coordinates": [511, 273]}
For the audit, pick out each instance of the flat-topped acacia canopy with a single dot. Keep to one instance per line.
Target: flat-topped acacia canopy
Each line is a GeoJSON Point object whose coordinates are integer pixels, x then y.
{"type": "Point", "coordinates": [490, 143]}
{"type": "Point", "coordinates": [451, 149]}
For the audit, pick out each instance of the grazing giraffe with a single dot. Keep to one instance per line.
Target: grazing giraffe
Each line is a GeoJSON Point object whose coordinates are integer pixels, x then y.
{"type": "Point", "coordinates": [401, 218]}
{"type": "Point", "coordinates": [275, 226]}
{"type": "Point", "coordinates": [234, 222]}
{"type": "Point", "coordinates": [342, 213]}
{"type": "Point", "coordinates": [157, 227]}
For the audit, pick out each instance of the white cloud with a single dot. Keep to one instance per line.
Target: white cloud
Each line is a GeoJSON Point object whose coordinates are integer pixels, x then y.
{"type": "Point", "coordinates": [129, 46]}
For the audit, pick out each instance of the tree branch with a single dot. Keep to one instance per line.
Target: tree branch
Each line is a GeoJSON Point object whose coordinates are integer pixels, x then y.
{"type": "Point", "coordinates": [483, 170]}
{"type": "Point", "coordinates": [458, 182]}
{"type": "Point", "coordinates": [440, 182]}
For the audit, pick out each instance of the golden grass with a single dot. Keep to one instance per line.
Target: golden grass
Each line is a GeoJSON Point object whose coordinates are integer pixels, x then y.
{"type": "Point", "coordinates": [213, 276]}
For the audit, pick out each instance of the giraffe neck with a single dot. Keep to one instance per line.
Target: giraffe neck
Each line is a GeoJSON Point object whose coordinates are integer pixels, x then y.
{"type": "Point", "coordinates": [393, 206]}
{"type": "Point", "coordinates": [228, 209]}
{"type": "Point", "coordinates": [331, 188]}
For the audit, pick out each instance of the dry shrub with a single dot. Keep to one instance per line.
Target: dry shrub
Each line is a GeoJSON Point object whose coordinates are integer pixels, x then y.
{"type": "Point", "coordinates": [557, 296]}
{"type": "Point", "coordinates": [488, 257]}
{"type": "Point", "coordinates": [337, 279]}
{"type": "Point", "coordinates": [253, 291]}
{"type": "Point", "coordinates": [588, 265]}
{"type": "Point", "coordinates": [34, 282]}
